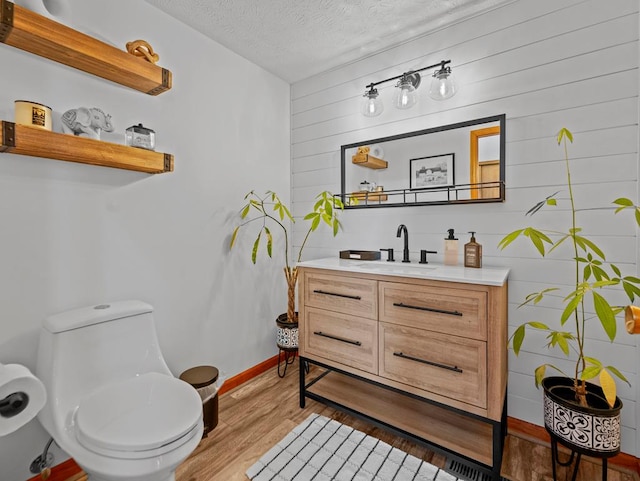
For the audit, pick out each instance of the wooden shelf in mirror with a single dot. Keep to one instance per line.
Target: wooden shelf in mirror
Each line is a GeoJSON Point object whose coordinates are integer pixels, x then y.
{"type": "Point", "coordinates": [29, 31]}
{"type": "Point", "coordinates": [369, 196]}
{"type": "Point", "coordinates": [25, 140]}
{"type": "Point", "coordinates": [366, 160]}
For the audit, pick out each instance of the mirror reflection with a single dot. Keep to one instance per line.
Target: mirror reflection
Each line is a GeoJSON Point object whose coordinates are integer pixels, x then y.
{"type": "Point", "coordinates": [456, 163]}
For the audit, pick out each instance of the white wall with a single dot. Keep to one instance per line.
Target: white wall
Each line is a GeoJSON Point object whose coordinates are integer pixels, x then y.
{"type": "Point", "coordinates": [75, 234]}
{"type": "Point", "coordinates": [545, 64]}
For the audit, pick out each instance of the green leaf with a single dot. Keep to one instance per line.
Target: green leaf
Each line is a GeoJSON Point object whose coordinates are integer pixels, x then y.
{"type": "Point", "coordinates": [509, 238]}
{"type": "Point", "coordinates": [517, 338]}
{"type": "Point", "coordinates": [245, 211]}
{"type": "Point", "coordinates": [538, 325]}
{"type": "Point", "coordinates": [254, 251]}
{"type": "Point", "coordinates": [269, 240]}
{"type": "Point", "coordinates": [571, 307]}
{"type": "Point", "coordinates": [336, 226]}
{"type": "Point", "coordinates": [565, 133]}
{"type": "Point", "coordinates": [537, 238]}
{"type": "Point", "coordinates": [561, 341]}
{"type": "Point", "coordinates": [590, 372]}
{"type": "Point", "coordinates": [618, 374]}
{"type": "Point", "coordinates": [615, 269]}
{"type": "Point", "coordinates": [623, 201]}
{"type": "Point", "coordinates": [233, 237]}
{"type": "Point", "coordinates": [315, 223]}
{"type": "Point", "coordinates": [631, 290]}
{"type": "Point", "coordinates": [592, 360]}
{"type": "Point", "coordinates": [539, 374]}
{"type": "Point", "coordinates": [584, 243]}
{"type": "Point", "coordinates": [605, 314]}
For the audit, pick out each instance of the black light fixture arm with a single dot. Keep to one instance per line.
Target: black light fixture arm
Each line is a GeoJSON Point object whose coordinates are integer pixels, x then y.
{"type": "Point", "coordinates": [439, 64]}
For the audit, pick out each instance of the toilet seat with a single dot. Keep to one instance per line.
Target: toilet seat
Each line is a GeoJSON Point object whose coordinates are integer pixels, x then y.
{"type": "Point", "coordinates": [144, 416]}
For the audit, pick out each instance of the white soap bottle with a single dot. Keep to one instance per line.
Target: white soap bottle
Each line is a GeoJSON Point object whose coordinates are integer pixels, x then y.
{"type": "Point", "coordinates": [450, 249]}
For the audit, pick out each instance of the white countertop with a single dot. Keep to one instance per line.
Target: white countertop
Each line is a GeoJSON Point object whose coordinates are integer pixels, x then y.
{"type": "Point", "coordinates": [490, 276]}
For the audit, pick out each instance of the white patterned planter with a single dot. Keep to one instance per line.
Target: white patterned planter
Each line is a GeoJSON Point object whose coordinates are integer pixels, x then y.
{"type": "Point", "coordinates": [287, 334]}
{"type": "Point", "coordinates": [593, 431]}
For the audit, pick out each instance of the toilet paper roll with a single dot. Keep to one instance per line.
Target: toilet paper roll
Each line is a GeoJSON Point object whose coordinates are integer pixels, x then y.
{"type": "Point", "coordinates": [22, 396]}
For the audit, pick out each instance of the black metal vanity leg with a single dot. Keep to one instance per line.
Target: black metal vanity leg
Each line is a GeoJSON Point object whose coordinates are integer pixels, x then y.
{"type": "Point", "coordinates": [303, 368]}
{"type": "Point", "coordinates": [604, 469]}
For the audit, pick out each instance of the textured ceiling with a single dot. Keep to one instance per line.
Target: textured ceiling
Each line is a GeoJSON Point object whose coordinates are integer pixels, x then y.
{"type": "Point", "coordinates": [295, 39]}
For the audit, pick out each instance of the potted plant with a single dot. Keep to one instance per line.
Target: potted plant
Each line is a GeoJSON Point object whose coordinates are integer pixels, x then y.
{"type": "Point", "coordinates": [578, 413]}
{"type": "Point", "coordinates": [269, 209]}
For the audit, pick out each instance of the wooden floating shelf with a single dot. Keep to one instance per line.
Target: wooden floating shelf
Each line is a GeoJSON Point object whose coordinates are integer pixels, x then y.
{"type": "Point", "coordinates": [369, 196]}
{"type": "Point", "coordinates": [366, 160]}
{"type": "Point", "coordinates": [25, 140]}
{"type": "Point", "coordinates": [29, 31]}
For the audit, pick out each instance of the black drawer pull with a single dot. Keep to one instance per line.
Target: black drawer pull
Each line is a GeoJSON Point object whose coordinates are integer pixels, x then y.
{"type": "Point", "coordinates": [318, 291]}
{"type": "Point", "coordinates": [430, 363]}
{"type": "Point", "coordinates": [430, 309]}
{"type": "Point", "coordinates": [341, 339]}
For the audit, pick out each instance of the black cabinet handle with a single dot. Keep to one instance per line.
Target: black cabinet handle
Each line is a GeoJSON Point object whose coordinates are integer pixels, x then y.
{"type": "Point", "coordinates": [318, 291]}
{"type": "Point", "coordinates": [341, 339]}
{"type": "Point", "coordinates": [430, 363]}
{"type": "Point", "coordinates": [430, 309]}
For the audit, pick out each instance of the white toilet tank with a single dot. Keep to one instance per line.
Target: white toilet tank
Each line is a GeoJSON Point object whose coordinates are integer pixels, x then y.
{"type": "Point", "coordinates": [85, 348]}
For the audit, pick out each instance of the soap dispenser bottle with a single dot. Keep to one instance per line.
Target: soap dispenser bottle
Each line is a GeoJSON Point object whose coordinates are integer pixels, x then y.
{"type": "Point", "coordinates": [472, 252]}
{"type": "Point", "coordinates": [450, 249]}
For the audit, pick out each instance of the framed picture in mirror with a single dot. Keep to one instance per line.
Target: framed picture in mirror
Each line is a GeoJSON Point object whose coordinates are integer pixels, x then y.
{"type": "Point", "coordinates": [431, 171]}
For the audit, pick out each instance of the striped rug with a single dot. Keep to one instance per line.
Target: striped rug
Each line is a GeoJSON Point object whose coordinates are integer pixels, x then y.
{"type": "Point", "coordinates": [321, 449]}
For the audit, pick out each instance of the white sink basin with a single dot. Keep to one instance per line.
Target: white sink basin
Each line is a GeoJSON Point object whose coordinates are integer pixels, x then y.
{"type": "Point", "coordinates": [384, 267]}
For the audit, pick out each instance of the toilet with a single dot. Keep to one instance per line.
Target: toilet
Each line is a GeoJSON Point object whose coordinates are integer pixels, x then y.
{"type": "Point", "coordinates": [113, 405]}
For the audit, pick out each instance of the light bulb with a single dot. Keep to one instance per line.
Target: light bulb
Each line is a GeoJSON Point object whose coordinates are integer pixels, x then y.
{"type": "Point", "coordinates": [405, 97]}
{"type": "Point", "coordinates": [371, 105]}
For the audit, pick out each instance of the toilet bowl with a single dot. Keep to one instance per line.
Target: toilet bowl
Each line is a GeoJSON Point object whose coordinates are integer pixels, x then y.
{"type": "Point", "coordinates": [113, 404]}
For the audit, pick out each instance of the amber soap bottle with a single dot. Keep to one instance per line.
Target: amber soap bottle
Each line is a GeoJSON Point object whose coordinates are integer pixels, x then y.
{"type": "Point", "coordinates": [472, 253]}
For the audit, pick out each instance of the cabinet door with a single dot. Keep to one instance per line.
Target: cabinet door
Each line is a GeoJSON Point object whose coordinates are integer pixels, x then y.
{"type": "Point", "coordinates": [446, 365]}
{"type": "Point", "coordinates": [344, 294]}
{"type": "Point", "coordinates": [342, 338]}
{"type": "Point", "coordinates": [456, 311]}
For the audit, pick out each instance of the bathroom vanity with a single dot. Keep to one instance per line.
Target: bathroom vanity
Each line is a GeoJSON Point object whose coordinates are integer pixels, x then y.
{"type": "Point", "coordinates": [420, 349]}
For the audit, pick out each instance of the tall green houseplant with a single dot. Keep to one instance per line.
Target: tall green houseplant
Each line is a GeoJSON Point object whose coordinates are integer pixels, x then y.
{"type": "Point", "coordinates": [594, 280]}
{"type": "Point", "coordinates": [269, 210]}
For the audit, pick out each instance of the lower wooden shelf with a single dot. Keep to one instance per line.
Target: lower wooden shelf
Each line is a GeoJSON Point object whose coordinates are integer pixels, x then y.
{"type": "Point", "coordinates": [25, 140]}
{"type": "Point", "coordinates": [458, 434]}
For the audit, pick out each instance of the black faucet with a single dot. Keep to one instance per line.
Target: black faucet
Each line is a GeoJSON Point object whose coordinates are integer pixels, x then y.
{"type": "Point", "coordinates": [405, 252]}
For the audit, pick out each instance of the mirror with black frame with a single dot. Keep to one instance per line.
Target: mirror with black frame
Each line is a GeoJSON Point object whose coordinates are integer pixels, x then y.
{"type": "Point", "coordinates": [451, 164]}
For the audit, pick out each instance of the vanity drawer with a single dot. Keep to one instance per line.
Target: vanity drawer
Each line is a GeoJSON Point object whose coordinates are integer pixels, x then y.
{"type": "Point", "coordinates": [344, 294]}
{"type": "Point", "coordinates": [446, 365]}
{"type": "Point", "coordinates": [342, 338]}
{"type": "Point", "coordinates": [460, 312]}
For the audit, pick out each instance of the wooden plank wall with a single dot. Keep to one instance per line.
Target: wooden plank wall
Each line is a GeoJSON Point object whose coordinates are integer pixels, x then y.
{"type": "Point", "coordinates": [545, 64]}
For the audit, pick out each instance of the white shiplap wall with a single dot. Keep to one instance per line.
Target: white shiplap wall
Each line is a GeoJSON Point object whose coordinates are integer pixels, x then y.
{"type": "Point", "coordinates": [545, 64]}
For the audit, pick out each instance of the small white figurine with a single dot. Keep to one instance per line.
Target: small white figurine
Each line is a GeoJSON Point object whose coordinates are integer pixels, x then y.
{"type": "Point", "coordinates": [85, 122]}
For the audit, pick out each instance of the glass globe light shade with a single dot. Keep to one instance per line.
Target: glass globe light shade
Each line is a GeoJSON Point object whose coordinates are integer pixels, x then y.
{"type": "Point", "coordinates": [442, 85]}
{"type": "Point", "coordinates": [371, 105]}
{"type": "Point", "coordinates": [405, 97]}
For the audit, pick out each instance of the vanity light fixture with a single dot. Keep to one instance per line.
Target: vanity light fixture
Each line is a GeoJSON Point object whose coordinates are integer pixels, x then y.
{"type": "Point", "coordinates": [442, 87]}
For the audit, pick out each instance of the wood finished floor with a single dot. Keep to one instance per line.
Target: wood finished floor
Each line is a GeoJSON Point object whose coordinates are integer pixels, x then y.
{"type": "Point", "coordinates": [256, 415]}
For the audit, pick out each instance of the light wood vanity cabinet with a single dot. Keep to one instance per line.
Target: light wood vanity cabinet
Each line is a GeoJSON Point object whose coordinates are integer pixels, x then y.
{"type": "Point", "coordinates": [425, 358]}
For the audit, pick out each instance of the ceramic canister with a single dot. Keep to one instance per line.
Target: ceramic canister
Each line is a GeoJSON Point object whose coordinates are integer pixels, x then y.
{"type": "Point", "coordinates": [32, 114]}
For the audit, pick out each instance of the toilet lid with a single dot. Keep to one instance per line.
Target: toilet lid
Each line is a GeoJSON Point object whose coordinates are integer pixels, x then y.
{"type": "Point", "coordinates": [139, 414]}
